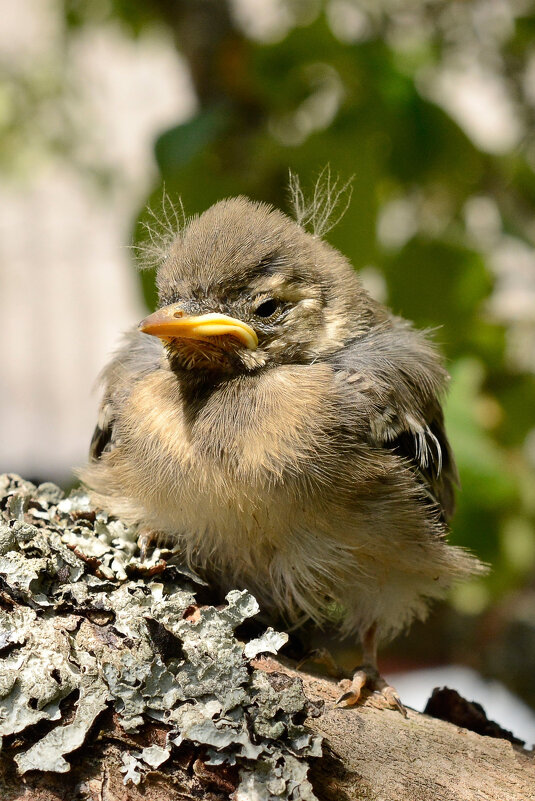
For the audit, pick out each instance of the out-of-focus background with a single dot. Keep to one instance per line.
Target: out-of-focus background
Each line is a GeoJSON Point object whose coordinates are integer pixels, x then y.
{"type": "Point", "coordinates": [429, 104]}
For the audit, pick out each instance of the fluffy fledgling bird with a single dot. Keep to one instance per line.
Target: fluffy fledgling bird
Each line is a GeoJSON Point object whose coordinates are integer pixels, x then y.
{"type": "Point", "coordinates": [285, 430]}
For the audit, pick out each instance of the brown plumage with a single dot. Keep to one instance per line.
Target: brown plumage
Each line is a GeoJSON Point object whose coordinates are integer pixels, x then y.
{"type": "Point", "coordinates": [292, 442]}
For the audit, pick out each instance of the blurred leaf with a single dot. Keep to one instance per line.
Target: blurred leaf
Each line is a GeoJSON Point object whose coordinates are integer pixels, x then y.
{"type": "Point", "coordinates": [434, 282]}
{"type": "Point", "coordinates": [178, 146]}
{"type": "Point", "coordinates": [489, 488]}
{"type": "Point", "coordinates": [516, 393]}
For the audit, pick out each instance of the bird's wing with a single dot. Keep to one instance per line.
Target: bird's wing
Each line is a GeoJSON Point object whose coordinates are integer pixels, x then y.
{"type": "Point", "coordinates": [139, 355]}
{"type": "Point", "coordinates": [103, 439]}
{"type": "Point", "coordinates": [394, 377]}
{"type": "Point", "coordinates": [423, 442]}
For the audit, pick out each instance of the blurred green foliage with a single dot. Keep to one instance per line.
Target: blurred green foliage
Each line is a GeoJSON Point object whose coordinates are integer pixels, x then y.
{"type": "Point", "coordinates": [356, 99]}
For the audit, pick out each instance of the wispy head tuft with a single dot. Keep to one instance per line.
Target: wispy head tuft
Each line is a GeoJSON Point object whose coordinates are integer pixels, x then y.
{"type": "Point", "coordinates": [327, 205]}
{"type": "Point", "coordinates": [161, 229]}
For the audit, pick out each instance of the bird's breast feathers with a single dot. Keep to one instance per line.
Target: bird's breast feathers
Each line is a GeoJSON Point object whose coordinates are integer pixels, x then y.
{"type": "Point", "coordinates": [253, 429]}
{"type": "Point", "coordinates": [253, 481]}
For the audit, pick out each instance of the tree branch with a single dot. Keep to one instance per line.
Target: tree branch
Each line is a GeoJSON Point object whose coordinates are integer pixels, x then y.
{"type": "Point", "coordinates": [117, 683]}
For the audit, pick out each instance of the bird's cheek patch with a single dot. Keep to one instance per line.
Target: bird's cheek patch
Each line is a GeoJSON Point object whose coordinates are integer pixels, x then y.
{"type": "Point", "coordinates": [311, 304]}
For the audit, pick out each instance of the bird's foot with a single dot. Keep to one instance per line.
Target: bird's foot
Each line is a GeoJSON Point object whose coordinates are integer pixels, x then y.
{"type": "Point", "coordinates": [146, 540]}
{"type": "Point", "coordinates": [321, 656]}
{"type": "Point", "coordinates": [151, 559]}
{"type": "Point", "coordinates": [380, 693]}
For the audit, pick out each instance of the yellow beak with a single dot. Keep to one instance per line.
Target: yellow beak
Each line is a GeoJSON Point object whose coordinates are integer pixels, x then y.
{"type": "Point", "coordinates": [172, 322]}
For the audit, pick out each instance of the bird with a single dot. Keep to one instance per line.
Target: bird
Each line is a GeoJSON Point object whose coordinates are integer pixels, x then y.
{"type": "Point", "coordinates": [284, 430]}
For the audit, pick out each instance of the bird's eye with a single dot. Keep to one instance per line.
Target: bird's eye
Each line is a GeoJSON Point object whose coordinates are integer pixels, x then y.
{"type": "Point", "coordinates": [267, 308]}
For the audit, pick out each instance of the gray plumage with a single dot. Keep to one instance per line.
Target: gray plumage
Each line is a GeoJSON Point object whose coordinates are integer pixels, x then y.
{"type": "Point", "coordinates": [313, 469]}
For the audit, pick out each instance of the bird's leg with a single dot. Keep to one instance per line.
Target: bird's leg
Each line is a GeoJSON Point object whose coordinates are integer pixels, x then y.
{"type": "Point", "coordinates": [367, 675]}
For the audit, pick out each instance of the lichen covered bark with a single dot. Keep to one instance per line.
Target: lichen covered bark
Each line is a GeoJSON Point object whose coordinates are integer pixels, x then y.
{"type": "Point", "coordinates": [117, 684]}
{"type": "Point", "coordinates": [86, 629]}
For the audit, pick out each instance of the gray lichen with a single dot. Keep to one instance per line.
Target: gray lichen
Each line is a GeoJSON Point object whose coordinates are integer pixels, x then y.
{"type": "Point", "coordinates": [82, 619]}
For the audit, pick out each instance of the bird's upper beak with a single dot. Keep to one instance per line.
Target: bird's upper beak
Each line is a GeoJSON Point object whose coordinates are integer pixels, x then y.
{"type": "Point", "coordinates": [172, 322]}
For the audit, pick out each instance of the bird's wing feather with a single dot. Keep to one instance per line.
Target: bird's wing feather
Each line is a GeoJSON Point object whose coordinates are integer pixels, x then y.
{"type": "Point", "coordinates": [425, 445]}
{"type": "Point", "coordinates": [102, 440]}
{"type": "Point", "coordinates": [397, 380]}
{"type": "Point", "coordinates": [139, 355]}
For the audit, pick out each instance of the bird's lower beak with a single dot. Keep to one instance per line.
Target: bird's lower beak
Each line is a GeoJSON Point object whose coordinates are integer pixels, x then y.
{"type": "Point", "coordinates": [172, 322]}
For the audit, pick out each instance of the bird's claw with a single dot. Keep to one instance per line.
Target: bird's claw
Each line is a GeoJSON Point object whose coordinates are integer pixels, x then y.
{"type": "Point", "coordinates": [145, 542]}
{"type": "Point", "coordinates": [382, 693]}
{"type": "Point", "coordinates": [353, 688]}
{"type": "Point", "coordinates": [349, 698]}
{"type": "Point", "coordinates": [393, 699]}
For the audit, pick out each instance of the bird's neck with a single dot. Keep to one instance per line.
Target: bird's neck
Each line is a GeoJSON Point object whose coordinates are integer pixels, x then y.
{"type": "Point", "coordinates": [197, 387]}
{"type": "Point", "coordinates": [195, 381]}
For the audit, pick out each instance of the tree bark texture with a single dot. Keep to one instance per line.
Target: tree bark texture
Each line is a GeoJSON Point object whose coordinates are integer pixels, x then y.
{"type": "Point", "coordinates": [123, 678]}
{"type": "Point", "coordinates": [368, 753]}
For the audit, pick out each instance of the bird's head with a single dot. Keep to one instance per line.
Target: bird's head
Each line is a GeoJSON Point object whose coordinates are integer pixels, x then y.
{"type": "Point", "coordinates": [244, 287]}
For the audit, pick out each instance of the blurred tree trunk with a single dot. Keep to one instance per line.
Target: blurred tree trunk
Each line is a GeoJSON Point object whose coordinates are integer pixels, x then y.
{"type": "Point", "coordinates": [206, 36]}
